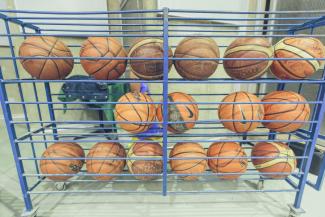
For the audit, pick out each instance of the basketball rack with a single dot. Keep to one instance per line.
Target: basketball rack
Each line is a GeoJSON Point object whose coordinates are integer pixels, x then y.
{"type": "Point", "coordinates": [43, 124]}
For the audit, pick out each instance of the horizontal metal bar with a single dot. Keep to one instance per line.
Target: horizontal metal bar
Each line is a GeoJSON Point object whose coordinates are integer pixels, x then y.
{"type": "Point", "coordinates": [159, 103]}
{"type": "Point", "coordinates": [232, 191]}
{"type": "Point", "coordinates": [34, 132]}
{"type": "Point", "coordinates": [148, 158]}
{"type": "Point", "coordinates": [246, 12]}
{"type": "Point", "coordinates": [245, 19]}
{"type": "Point", "coordinates": [159, 35]}
{"type": "Point", "coordinates": [19, 22]}
{"type": "Point", "coordinates": [169, 141]}
{"type": "Point", "coordinates": [172, 80]}
{"type": "Point", "coordinates": [92, 24]}
{"type": "Point", "coordinates": [83, 18]}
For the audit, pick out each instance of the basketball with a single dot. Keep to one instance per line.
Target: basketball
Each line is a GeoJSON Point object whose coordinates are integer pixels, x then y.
{"type": "Point", "coordinates": [103, 69]}
{"type": "Point", "coordinates": [246, 114]}
{"type": "Point", "coordinates": [149, 48]}
{"type": "Point", "coordinates": [285, 112]}
{"type": "Point", "coordinates": [248, 48]}
{"type": "Point", "coordinates": [280, 159]}
{"type": "Point", "coordinates": [134, 112]}
{"type": "Point", "coordinates": [180, 112]}
{"type": "Point", "coordinates": [62, 166]}
{"type": "Point", "coordinates": [225, 164]}
{"type": "Point", "coordinates": [106, 166]}
{"type": "Point", "coordinates": [190, 166]}
{"type": "Point", "coordinates": [196, 48]}
{"type": "Point", "coordinates": [301, 47]}
{"type": "Point", "coordinates": [143, 166]}
{"type": "Point", "coordinates": [46, 69]}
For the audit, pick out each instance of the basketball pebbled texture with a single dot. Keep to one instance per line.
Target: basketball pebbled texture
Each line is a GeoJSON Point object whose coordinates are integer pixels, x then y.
{"type": "Point", "coordinates": [46, 69]}
{"type": "Point", "coordinates": [180, 112]}
{"type": "Point", "coordinates": [143, 166]}
{"type": "Point", "coordinates": [66, 166]}
{"type": "Point", "coordinates": [227, 165]}
{"type": "Point", "coordinates": [196, 48]}
{"type": "Point", "coordinates": [248, 48]}
{"type": "Point", "coordinates": [285, 112]}
{"type": "Point", "coordinates": [246, 113]}
{"type": "Point", "coordinates": [280, 159]}
{"type": "Point", "coordinates": [106, 166]}
{"type": "Point", "coordinates": [103, 69]}
{"type": "Point", "coordinates": [188, 166]}
{"type": "Point", "coordinates": [299, 47]}
{"type": "Point", "coordinates": [148, 48]}
{"type": "Point", "coordinates": [135, 112]}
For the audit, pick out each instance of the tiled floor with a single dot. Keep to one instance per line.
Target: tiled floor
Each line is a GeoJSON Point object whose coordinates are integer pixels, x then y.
{"type": "Point", "coordinates": [243, 204]}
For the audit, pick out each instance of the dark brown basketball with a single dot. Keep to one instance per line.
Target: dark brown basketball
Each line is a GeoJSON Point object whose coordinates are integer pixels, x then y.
{"type": "Point", "coordinates": [103, 69]}
{"type": "Point", "coordinates": [299, 47]}
{"type": "Point", "coordinates": [142, 166]}
{"type": "Point", "coordinates": [62, 166]}
{"type": "Point", "coordinates": [246, 114]}
{"type": "Point", "coordinates": [281, 159]}
{"type": "Point", "coordinates": [46, 69]}
{"type": "Point", "coordinates": [180, 112]}
{"type": "Point", "coordinates": [135, 112]}
{"type": "Point", "coordinates": [285, 112]}
{"type": "Point", "coordinates": [196, 48]}
{"type": "Point", "coordinates": [227, 164]}
{"type": "Point", "coordinates": [248, 48]}
{"type": "Point", "coordinates": [188, 166]}
{"type": "Point", "coordinates": [106, 166]}
{"type": "Point", "coordinates": [148, 48]}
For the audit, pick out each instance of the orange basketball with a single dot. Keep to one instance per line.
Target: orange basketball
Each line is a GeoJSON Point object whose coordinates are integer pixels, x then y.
{"type": "Point", "coordinates": [103, 69]}
{"type": "Point", "coordinates": [148, 48]}
{"type": "Point", "coordinates": [180, 112]}
{"type": "Point", "coordinates": [245, 113]}
{"type": "Point", "coordinates": [106, 166]}
{"type": "Point", "coordinates": [188, 166]}
{"type": "Point", "coordinates": [248, 48]}
{"type": "Point", "coordinates": [62, 166]}
{"type": "Point", "coordinates": [46, 69]}
{"type": "Point", "coordinates": [143, 166]}
{"type": "Point", "coordinates": [135, 112]}
{"type": "Point", "coordinates": [299, 47]}
{"type": "Point", "coordinates": [285, 112]}
{"type": "Point", "coordinates": [196, 48]}
{"type": "Point", "coordinates": [281, 159]}
{"type": "Point", "coordinates": [225, 164]}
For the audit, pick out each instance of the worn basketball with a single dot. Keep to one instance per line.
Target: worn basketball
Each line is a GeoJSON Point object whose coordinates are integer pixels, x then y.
{"type": "Point", "coordinates": [280, 159]}
{"type": "Point", "coordinates": [188, 166]}
{"type": "Point", "coordinates": [230, 161]}
{"type": "Point", "coordinates": [62, 166]}
{"type": "Point", "coordinates": [196, 48]}
{"type": "Point", "coordinates": [148, 48]}
{"type": "Point", "coordinates": [180, 112]}
{"type": "Point", "coordinates": [103, 47]}
{"type": "Point", "coordinates": [134, 112]}
{"type": "Point", "coordinates": [299, 47]}
{"type": "Point", "coordinates": [248, 48]}
{"type": "Point", "coordinates": [246, 113]}
{"type": "Point", "coordinates": [285, 113]}
{"type": "Point", "coordinates": [46, 69]}
{"type": "Point", "coordinates": [143, 150]}
{"type": "Point", "coordinates": [106, 166]}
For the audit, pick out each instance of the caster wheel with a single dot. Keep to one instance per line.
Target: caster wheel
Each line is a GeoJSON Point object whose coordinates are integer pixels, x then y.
{"type": "Point", "coordinates": [60, 186]}
{"type": "Point", "coordinates": [260, 185]}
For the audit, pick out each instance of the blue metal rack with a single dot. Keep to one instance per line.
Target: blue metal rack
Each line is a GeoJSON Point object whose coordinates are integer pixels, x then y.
{"type": "Point", "coordinates": [45, 127]}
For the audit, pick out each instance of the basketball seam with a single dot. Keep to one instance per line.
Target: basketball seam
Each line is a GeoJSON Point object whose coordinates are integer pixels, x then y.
{"type": "Point", "coordinates": [46, 42]}
{"type": "Point", "coordinates": [252, 110]}
{"type": "Point", "coordinates": [49, 53]}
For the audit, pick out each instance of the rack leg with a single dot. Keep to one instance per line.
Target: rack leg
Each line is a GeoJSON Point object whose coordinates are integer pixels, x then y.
{"type": "Point", "coordinates": [294, 212]}
{"type": "Point", "coordinates": [32, 213]}
{"type": "Point", "coordinates": [260, 184]}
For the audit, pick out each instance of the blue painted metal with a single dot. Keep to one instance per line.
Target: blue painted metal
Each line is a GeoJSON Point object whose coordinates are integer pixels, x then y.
{"type": "Point", "coordinates": [40, 21]}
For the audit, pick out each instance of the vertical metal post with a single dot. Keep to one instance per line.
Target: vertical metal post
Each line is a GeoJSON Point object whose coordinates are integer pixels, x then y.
{"type": "Point", "coordinates": [14, 146]}
{"type": "Point", "coordinates": [50, 105]}
{"type": "Point", "coordinates": [314, 135]}
{"type": "Point", "coordinates": [165, 101]}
